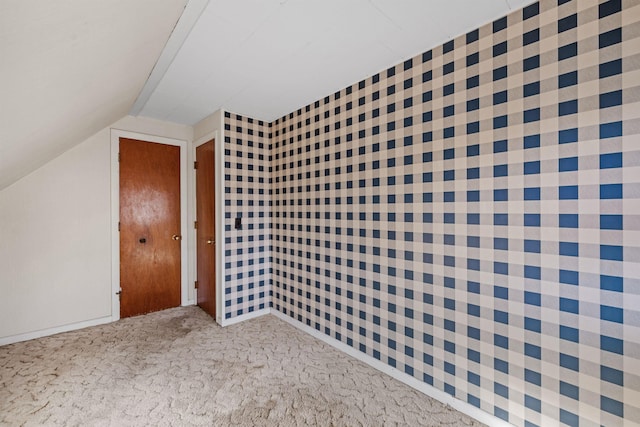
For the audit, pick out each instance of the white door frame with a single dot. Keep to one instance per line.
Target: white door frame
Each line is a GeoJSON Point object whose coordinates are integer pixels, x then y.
{"type": "Point", "coordinates": [116, 134]}
{"type": "Point", "coordinates": [219, 217]}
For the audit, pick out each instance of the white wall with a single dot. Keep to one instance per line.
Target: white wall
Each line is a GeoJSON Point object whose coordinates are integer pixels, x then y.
{"type": "Point", "coordinates": [208, 125]}
{"type": "Point", "coordinates": [55, 245]}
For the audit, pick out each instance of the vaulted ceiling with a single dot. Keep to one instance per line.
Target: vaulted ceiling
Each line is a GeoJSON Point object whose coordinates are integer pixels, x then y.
{"type": "Point", "coordinates": [72, 67]}
{"type": "Point", "coordinates": [266, 58]}
{"type": "Point", "coordinates": [68, 68]}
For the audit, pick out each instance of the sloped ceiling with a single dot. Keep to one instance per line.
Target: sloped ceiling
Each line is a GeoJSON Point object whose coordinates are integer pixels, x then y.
{"type": "Point", "coordinates": [266, 58]}
{"type": "Point", "coordinates": [68, 68]}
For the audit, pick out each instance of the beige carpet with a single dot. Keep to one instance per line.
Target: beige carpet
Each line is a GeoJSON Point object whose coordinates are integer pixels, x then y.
{"type": "Point", "coordinates": [177, 367]}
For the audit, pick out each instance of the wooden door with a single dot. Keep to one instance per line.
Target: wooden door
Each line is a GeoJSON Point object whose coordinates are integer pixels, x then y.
{"type": "Point", "coordinates": [150, 241]}
{"type": "Point", "coordinates": [205, 231]}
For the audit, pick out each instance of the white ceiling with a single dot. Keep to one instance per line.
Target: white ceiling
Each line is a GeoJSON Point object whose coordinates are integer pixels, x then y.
{"type": "Point", "coordinates": [266, 58]}
{"type": "Point", "coordinates": [69, 68]}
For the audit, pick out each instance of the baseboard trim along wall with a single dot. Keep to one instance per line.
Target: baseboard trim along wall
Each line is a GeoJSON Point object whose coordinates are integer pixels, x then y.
{"type": "Point", "coordinates": [102, 320]}
{"type": "Point", "coordinates": [52, 331]}
{"type": "Point", "coordinates": [243, 317]}
{"type": "Point", "coordinates": [412, 382]}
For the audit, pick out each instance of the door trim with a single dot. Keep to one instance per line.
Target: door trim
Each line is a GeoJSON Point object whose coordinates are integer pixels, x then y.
{"type": "Point", "coordinates": [219, 217]}
{"type": "Point", "coordinates": [116, 134]}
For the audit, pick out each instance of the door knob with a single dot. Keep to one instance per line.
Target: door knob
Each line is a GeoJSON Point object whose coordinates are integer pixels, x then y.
{"type": "Point", "coordinates": [176, 237]}
{"type": "Point", "coordinates": [142, 240]}
{"type": "Point", "coordinates": [210, 242]}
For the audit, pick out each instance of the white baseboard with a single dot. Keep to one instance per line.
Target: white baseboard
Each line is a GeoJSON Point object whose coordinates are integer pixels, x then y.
{"type": "Point", "coordinates": [52, 331]}
{"type": "Point", "coordinates": [102, 320]}
{"type": "Point", "coordinates": [243, 317]}
{"type": "Point", "coordinates": [447, 399]}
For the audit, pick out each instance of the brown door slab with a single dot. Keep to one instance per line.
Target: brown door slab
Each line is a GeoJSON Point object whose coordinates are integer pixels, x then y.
{"type": "Point", "coordinates": [150, 241]}
{"type": "Point", "coordinates": [205, 231]}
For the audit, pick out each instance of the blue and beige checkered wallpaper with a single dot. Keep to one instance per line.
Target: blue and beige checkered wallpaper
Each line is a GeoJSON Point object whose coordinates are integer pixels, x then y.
{"type": "Point", "coordinates": [246, 156]}
{"type": "Point", "coordinates": [470, 216]}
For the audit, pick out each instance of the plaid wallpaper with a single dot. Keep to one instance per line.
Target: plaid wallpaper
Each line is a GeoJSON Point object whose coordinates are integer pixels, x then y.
{"type": "Point", "coordinates": [246, 158]}
{"type": "Point", "coordinates": [469, 216]}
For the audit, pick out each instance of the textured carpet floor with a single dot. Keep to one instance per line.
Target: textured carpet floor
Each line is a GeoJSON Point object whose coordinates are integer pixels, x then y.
{"type": "Point", "coordinates": [178, 367]}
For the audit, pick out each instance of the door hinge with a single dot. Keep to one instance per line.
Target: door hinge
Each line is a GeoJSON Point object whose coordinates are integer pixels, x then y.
{"type": "Point", "coordinates": [195, 165]}
{"type": "Point", "coordinates": [195, 224]}
{"type": "Point", "coordinates": [196, 284]}
{"type": "Point", "coordinates": [118, 156]}
{"type": "Point", "coordinates": [118, 225]}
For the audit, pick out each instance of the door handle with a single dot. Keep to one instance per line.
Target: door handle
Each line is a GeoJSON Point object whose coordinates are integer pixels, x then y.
{"type": "Point", "coordinates": [211, 242]}
{"type": "Point", "coordinates": [176, 237]}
